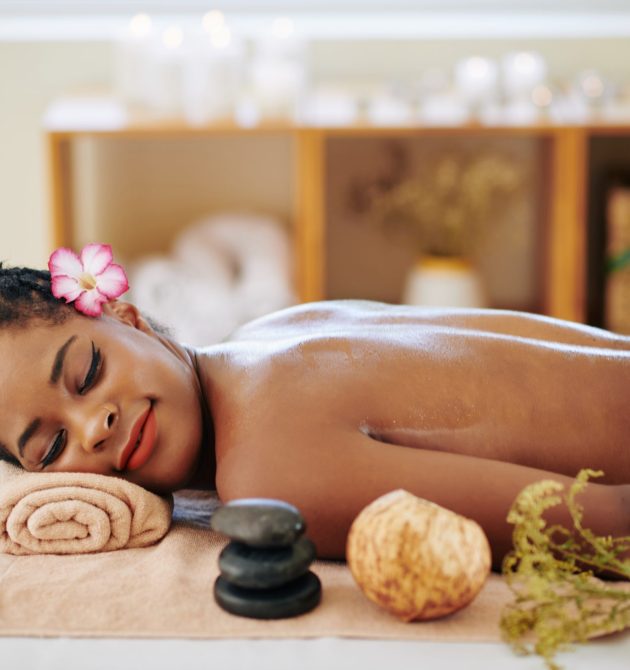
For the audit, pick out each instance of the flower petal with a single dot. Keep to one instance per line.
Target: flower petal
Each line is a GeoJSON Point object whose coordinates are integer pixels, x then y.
{"type": "Point", "coordinates": [95, 258]}
{"type": "Point", "coordinates": [65, 287]}
{"type": "Point", "coordinates": [90, 302]}
{"type": "Point", "coordinates": [112, 282]}
{"type": "Point", "coordinates": [65, 262]}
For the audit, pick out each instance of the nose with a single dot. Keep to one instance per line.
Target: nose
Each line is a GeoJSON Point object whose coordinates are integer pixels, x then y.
{"type": "Point", "coordinates": [94, 425]}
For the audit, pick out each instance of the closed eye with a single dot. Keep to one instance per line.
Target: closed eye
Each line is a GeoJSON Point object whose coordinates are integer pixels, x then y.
{"type": "Point", "coordinates": [56, 448]}
{"type": "Point", "coordinates": [92, 373]}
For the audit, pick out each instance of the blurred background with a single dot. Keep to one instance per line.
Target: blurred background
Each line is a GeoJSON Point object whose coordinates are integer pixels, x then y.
{"type": "Point", "coordinates": [242, 156]}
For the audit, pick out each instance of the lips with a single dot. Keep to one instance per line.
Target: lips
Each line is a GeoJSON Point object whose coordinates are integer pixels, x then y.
{"type": "Point", "coordinates": [141, 442]}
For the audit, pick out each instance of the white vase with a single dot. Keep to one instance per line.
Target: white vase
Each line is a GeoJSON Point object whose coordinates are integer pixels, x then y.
{"type": "Point", "coordinates": [444, 282]}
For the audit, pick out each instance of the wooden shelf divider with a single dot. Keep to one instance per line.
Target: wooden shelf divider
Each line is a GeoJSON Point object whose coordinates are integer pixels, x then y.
{"type": "Point", "coordinates": [309, 206]}
{"type": "Point", "coordinates": [566, 273]}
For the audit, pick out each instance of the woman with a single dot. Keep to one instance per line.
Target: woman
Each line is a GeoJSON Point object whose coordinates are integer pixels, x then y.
{"type": "Point", "coordinates": [325, 405]}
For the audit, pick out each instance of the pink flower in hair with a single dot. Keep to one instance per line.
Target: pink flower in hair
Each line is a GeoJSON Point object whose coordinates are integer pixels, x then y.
{"type": "Point", "coordinates": [88, 280]}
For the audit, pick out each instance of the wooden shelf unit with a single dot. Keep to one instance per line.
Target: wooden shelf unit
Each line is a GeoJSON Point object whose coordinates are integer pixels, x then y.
{"type": "Point", "coordinates": [564, 231]}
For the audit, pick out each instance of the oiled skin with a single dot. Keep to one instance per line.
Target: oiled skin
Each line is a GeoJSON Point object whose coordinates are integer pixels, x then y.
{"type": "Point", "coordinates": [330, 405]}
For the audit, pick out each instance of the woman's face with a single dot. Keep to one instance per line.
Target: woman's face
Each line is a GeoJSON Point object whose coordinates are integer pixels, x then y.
{"type": "Point", "coordinates": [105, 395]}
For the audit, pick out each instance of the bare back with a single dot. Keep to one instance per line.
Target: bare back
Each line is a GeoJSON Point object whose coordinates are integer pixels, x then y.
{"type": "Point", "coordinates": [311, 383]}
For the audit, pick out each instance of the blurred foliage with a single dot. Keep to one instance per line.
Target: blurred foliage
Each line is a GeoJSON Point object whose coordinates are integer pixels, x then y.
{"type": "Point", "coordinates": [451, 201]}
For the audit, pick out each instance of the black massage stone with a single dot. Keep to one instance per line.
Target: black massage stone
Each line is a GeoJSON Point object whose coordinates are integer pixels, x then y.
{"type": "Point", "coordinates": [264, 568]}
{"type": "Point", "coordinates": [259, 522]}
{"type": "Point", "coordinates": [297, 597]}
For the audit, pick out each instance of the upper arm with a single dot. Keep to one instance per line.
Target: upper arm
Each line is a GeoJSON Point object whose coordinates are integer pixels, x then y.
{"type": "Point", "coordinates": [331, 474]}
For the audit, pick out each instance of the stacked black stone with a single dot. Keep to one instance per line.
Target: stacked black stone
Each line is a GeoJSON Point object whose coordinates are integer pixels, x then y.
{"type": "Point", "coordinates": [265, 568]}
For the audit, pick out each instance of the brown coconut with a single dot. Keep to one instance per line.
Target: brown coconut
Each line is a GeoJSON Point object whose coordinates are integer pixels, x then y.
{"type": "Point", "coordinates": [416, 559]}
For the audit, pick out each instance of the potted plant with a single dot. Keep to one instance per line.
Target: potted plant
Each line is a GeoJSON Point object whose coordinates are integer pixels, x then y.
{"type": "Point", "coordinates": [446, 207]}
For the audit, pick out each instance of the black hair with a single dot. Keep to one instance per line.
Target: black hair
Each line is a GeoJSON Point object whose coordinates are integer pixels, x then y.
{"type": "Point", "coordinates": [25, 295]}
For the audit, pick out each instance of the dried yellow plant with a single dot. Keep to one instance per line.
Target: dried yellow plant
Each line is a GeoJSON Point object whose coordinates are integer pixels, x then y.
{"type": "Point", "coordinates": [450, 202]}
{"type": "Point", "coordinates": [558, 600]}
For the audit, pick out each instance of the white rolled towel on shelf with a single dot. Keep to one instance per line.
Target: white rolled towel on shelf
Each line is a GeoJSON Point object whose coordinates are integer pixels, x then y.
{"type": "Point", "coordinates": [257, 250]}
{"type": "Point", "coordinates": [224, 271]}
{"type": "Point", "coordinates": [196, 308]}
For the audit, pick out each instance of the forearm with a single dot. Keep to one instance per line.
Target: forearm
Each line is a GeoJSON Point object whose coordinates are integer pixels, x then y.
{"type": "Point", "coordinates": [623, 494]}
{"type": "Point", "coordinates": [483, 490]}
{"type": "Point", "coordinates": [605, 507]}
{"type": "Point", "coordinates": [605, 513]}
{"type": "Point", "coordinates": [332, 479]}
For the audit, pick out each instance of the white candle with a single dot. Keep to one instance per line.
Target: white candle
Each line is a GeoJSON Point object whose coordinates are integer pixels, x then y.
{"type": "Point", "coordinates": [476, 79]}
{"type": "Point", "coordinates": [281, 40]}
{"type": "Point", "coordinates": [520, 113]}
{"type": "Point", "coordinates": [132, 59]}
{"type": "Point", "coordinates": [329, 106]}
{"type": "Point", "coordinates": [213, 21]}
{"type": "Point", "coordinates": [164, 93]}
{"type": "Point", "coordinates": [522, 72]}
{"type": "Point", "coordinates": [542, 96]}
{"type": "Point", "coordinates": [443, 109]}
{"type": "Point", "coordinates": [213, 72]}
{"type": "Point", "coordinates": [389, 110]}
{"type": "Point", "coordinates": [278, 72]}
{"type": "Point", "coordinates": [568, 108]}
{"type": "Point", "coordinates": [278, 85]}
{"type": "Point", "coordinates": [592, 86]}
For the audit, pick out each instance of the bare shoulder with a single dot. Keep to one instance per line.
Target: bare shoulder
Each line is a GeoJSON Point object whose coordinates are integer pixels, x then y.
{"type": "Point", "coordinates": [346, 316]}
{"type": "Point", "coordinates": [353, 316]}
{"type": "Point", "coordinates": [311, 316]}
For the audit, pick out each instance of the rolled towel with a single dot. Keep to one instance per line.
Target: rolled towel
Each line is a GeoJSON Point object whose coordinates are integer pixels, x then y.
{"type": "Point", "coordinates": [257, 249]}
{"type": "Point", "coordinates": [224, 270]}
{"type": "Point", "coordinates": [76, 513]}
{"type": "Point", "coordinates": [197, 306]}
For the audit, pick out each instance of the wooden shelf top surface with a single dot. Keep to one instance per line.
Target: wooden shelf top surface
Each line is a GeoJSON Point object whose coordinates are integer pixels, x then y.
{"type": "Point", "coordinates": [107, 116]}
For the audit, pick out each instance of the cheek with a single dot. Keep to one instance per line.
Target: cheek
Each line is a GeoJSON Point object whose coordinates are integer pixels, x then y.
{"type": "Point", "coordinates": [157, 373]}
{"type": "Point", "coordinates": [153, 369]}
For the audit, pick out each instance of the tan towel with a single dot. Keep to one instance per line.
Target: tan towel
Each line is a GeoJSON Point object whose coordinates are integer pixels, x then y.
{"type": "Point", "coordinates": [76, 513]}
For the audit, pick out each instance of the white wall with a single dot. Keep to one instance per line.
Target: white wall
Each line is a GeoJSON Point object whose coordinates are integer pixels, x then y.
{"type": "Point", "coordinates": [33, 73]}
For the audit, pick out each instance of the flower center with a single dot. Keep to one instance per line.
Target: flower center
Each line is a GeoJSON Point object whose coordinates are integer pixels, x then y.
{"type": "Point", "coordinates": [87, 281]}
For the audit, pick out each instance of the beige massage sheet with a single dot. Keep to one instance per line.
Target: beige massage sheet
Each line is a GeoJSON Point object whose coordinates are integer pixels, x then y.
{"type": "Point", "coordinates": [166, 591]}
{"type": "Point", "coordinates": [153, 607]}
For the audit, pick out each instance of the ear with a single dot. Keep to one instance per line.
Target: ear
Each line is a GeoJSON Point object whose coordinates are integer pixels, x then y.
{"type": "Point", "coordinates": [128, 314]}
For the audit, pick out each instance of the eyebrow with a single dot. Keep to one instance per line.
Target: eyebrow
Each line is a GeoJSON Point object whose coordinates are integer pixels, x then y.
{"type": "Point", "coordinates": [55, 374]}
{"type": "Point", "coordinates": [58, 362]}
{"type": "Point", "coordinates": [26, 435]}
